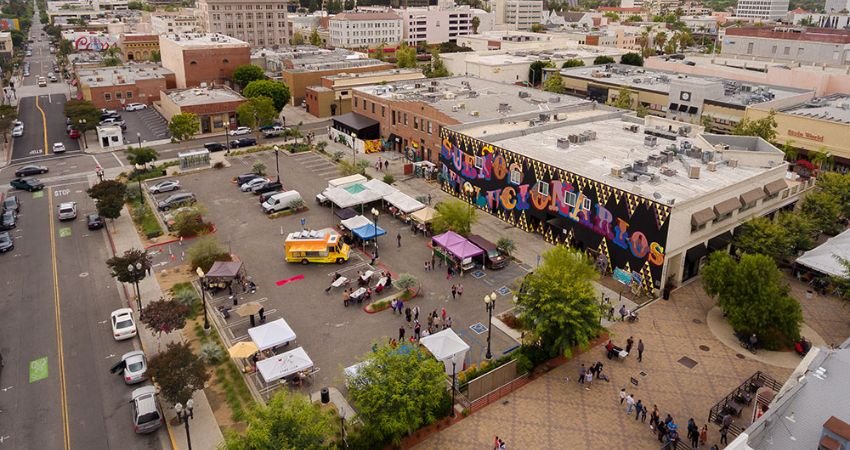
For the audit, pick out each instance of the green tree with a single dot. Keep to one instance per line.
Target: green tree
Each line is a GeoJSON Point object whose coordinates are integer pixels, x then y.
{"type": "Point", "coordinates": [454, 215]}
{"type": "Point", "coordinates": [396, 392]}
{"type": "Point", "coordinates": [288, 421]}
{"type": "Point", "coordinates": [315, 38]}
{"type": "Point", "coordinates": [83, 114]}
{"type": "Point", "coordinates": [156, 56]}
{"type": "Point", "coordinates": [190, 223]}
{"type": "Point", "coordinates": [206, 251]}
{"type": "Point", "coordinates": [623, 100]}
{"type": "Point", "coordinates": [572, 63]}
{"type": "Point", "coordinates": [612, 16]}
{"type": "Point", "coordinates": [141, 156]}
{"type": "Point", "coordinates": [257, 112]}
{"type": "Point", "coordinates": [660, 39]}
{"type": "Point", "coordinates": [538, 28]}
{"type": "Point", "coordinates": [603, 60]}
{"type": "Point", "coordinates": [184, 125]}
{"type": "Point", "coordinates": [506, 245]}
{"type": "Point", "coordinates": [558, 303]}
{"type": "Point", "coordinates": [297, 39]}
{"type": "Point", "coordinates": [634, 18]}
{"type": "Point", "coordinates": [109, 198]}
{"type": "Point", "coordinates": [437, 68]}
{"type": "Point", "coordinates": [476, 22]}
{"type": "Point", "coordinates": [837, 185]}
{"type": "Point", "coordinates": [641, 110]}
{"type": "Point", "coordinates": [842, 282]}
{"type": "Point", "coordinates": [825, 211]}
{"type": "Point", "coordinates": [164, 316]}
{"type": "Point", "coordinates": [754, 298]}
{"type": "Point", "coordinates": [764, 128]}
{"type": "Point", "coordinates": [178, 371]}
{"type": "Point", "coordinates": [405, 57]}
{"type": "Point", "coordinates": [766, 237]}
{"type": "Point", "coordinates": [554, 83]}
{"type": "Point", "coordinates": [800, 228]}
{"type": "Point", "coordinates": [275, 90]}
{"type": "Point", "coordinates": [119, 265]}
{"type": "Point", "coordinates": [632, 59]}
{"type": "Point", "coordinates": [535, 71]}
{"type": "Point", "coordinates": [247, 73]}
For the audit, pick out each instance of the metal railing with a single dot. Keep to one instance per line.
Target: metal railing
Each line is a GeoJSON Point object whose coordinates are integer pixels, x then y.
{"type": "Point", "coordinates": [499, 392]}
{"type": "Point", "coordinates": [744, 392]}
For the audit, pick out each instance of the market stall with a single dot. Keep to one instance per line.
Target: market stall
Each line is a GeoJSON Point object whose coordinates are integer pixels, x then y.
{"type": "Point", "coordinates": [403, 202]}
{"type": "Point", "coordinates": [355, 222]}
{"type": "Point", "coordinates": [354, 195]}
{"type": "Point", "coordinates": [465, 252]}
{"type": "Point", "coordinates": [456, 249]}
{"type": "Point", "coordinates": [826, 258]}
{"type": "Point", "coordinates": [345, 213]}
{"type": "Point", "coordinates": [422, 219]}
{"type": "Point", "coordinates": [284, 365]}
{"type": "Point", "coordinates": [378, 186]}
{"type": "Point", "coordinates": [445, 346]}
{"type": "Point", "coordinates": [368, 232]}
{"type": "Point", "coordinates": [222, 274]}
{"type": "Point", "coordinates": [272, 334]}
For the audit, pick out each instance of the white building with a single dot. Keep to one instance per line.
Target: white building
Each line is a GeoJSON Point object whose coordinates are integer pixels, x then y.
{"type": "Point", "coordinates": [834, 6]}
{"type": "Point", "coordinates": [435, 25]}
{"type": "Point", "coordinates": [762, 9]}
{"type": "Point", "coordinates": [6, 47]}
{"type": "Point", "coordinates": [163, 23]}
{"type": "Point", "coordinates": [837, 21]}
{"type": "Point", "coordinates": [303, 23]}
{"type": "Point", "coordinates": [261, 23]}
{"type": "Point", "coordinates": [518, 14]}
{"type": "Point", "coordinates": [700, 24]}
{"type": "Point", "coordinates": [367, 29]}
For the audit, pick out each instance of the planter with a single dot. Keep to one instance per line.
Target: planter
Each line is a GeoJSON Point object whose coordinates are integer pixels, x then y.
{"type": "Point", "coordinates": [386, 302]}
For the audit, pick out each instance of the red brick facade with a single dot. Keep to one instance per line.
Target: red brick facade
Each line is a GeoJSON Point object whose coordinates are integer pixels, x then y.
{"type": "Point", "coordinates": [213, 64]}
{"type": "Point", "coordinates": [115, 97]}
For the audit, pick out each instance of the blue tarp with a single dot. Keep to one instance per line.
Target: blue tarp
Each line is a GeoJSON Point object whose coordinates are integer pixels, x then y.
{"type": "Point", "coordinates": [367, 232]}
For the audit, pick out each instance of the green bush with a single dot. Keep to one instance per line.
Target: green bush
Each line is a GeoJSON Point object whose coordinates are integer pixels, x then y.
{"type": "Point", "coordinates": [211, 353]}
{"type": "Point", "coordinates": [218, 165]}
{"type": "Point", "coordinates": [297, 148]}
{"type": "Point", "coordinates": [389, 179]}
{"type": "Point", "coordinates": [145, 219]}
{"type": "Point", "coordinates": [190, 223]}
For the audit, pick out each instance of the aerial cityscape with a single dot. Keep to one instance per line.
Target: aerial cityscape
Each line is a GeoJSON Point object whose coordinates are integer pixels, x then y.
{"type": "Point", "coordinates": [425, 224]}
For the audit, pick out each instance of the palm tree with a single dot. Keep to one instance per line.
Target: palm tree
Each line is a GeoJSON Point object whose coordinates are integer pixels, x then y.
{"type": "Point", "coordinates": [660, 39]}
{"type": "Point", "coordinates": [822, 159]}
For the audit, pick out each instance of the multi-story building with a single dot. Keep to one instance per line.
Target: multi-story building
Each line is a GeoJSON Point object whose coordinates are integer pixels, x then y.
{"type": "Point", "coordinates": [762, 9]}
{"type": "Point", "coordinates": [652, 6]}
{"type": "Point", "coordinates": [261, 23]}
{"type": "Point", "coordinates": [365, 29]}
{"type": "Point", "coordinates": [198, 59]}
{"type": "Point", "coordinates": [720, 103]}
{"type": "Point", "coordinates": [518, 14]}
{"type": "Point", "coordinates": [836, 6]}
{"type": "Point", "coordinates": [333, 96]}
{"type": "Point", "coordinates": [820, 46]}
{"type": "Point", "coordinates": [114, 87]}
{"type": "Point", "coordinates": [6, 46]}
{"type": "Point", "coordinates": [83, 8]}
{"type": "Point", "coordinates": [213, 106]}
{"type": "Point", "coordinates": [649, 197]}
{"type": "Point", "coordinates": [435, 25]}
{"type": "Point", "coordinates": [138, 47]}
{"type": "Point", "coordinates": [164, 23]}
{"type": "Point", "coordinates": [700, 24]}
{"type": "Point", "coordinates": [832, 20]}
{"type": "Point", "coordinates": [516, 40]}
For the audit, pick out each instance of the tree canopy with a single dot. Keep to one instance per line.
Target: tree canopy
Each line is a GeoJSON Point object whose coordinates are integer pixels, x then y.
{"type": "Point", "coordinates": [398, 392]}
{"type": "Point", "coordinates": [141, 156]}
{"type": "Point", "coordinates": [623, 100]}
{"type": "Point", "coordinates": [256, 112]}
{"type": "Point", "coordinates": [119, 265]}
{"type": "Point", "coordinates": [454, 215]}
{"type": "Point", "coordinates": [315, 38]}
{"type": "Point", "coordinates": [405, 57]}
{"type": "Point", "coordinates": [275, 90]}
{"type": "Point", "coordinates": [572, 63]}
{"type": "Point", "coordinates": [554, 83]}
{"type": "Point", "coordinates": [247, 73]}
{"type": "Point", "coordinates": [83, 114]}
{"type": "Point", "coordinates": [764, 128]}
{"type": "Point", "coordinates": [297, 39]}
{"type": "Point", "coordinates": [825, 212]}
{"type": "Point", "coordinates": [603, 60]}
{"type": "Point", "coordinates": [288, 421]}
{"type": "Point", "coordinates": [109, 198]}
{"type": "Point", "coordinates": [184, 125]}
{"type": "Point", "coordinates": [754, 298]}
{"type": "Point", "coordinates": [763, 236]}
{"type": "Point", "coordinates": [535, 71]}
{"type": "Point", "coordinates": [164, 316]}
{"type": "Point", "coordinates": [178, 372]}
{"type": "Point", "coordinates": [558, 304]}
{"type": "Point", "coordinates": [632, 59]}
{"type": "Point", "coordinates": [437, 68]}
{"type": "Point", "coordinates": [838, 186]}
{"type": "Point", "coordinates": [206, 251]}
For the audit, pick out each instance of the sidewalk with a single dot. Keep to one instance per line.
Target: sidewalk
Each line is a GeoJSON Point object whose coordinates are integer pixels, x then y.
{"type": "Point", "coordinates": [204, 428]}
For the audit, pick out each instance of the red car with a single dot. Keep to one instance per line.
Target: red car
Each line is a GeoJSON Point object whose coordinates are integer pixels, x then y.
{"type": "Point", "coordinates": [74, 134]}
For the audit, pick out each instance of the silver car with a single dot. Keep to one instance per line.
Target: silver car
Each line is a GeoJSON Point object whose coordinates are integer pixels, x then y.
{"type": "Point", "coordinates": [133, 366]}
{"type": "Point", "coordinates": [165, 186]}
{"type": "Point", "coordinates": [147, 416]}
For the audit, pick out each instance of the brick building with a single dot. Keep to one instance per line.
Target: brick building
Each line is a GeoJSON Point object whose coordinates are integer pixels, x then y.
{"type": "Point", "coordinates": [114, 87]}
{"type": "Point", "coordinates": [333, 96]}
{"type": "Point", "coordinates": [202, 58]}
{"type": "Point", "coordinates": [214, 106]}
{"type": "Point", "coordinates": [138, 47]}
{"type": "Point", "coordinates": [262, 23]}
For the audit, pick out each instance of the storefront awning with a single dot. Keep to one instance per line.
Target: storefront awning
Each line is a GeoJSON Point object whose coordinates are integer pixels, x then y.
{"type": "Point", "coordinates": [727, 206]}
{"type": "Point", "coordinates": [752, 196]}
{"type": "Point", "coordinates": [695, 253]}
{"type": "Point", "coordinates": [702, 217]}
{"type": "Point", "coordinates": [721, 241]}
{"type": "Point", "coordinates": [774, 187]}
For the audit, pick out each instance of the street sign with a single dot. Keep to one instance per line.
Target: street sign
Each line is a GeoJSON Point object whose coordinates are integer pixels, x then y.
{"type": "Point", "coordinates": [622, 276]}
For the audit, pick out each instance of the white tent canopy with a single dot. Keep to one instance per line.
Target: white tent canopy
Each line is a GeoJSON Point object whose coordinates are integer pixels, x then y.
{"type": "Point", "coordinates": [271, 334]}
{"type": "Point", "coordinates": [356, 222]}
{"type": "Point", "coordinates": [284, 365]}
{"type": "Point", "coordinates": [825, 257]}
{"type": "Point", "coordinates": [342, 198]}
{"type": "Point", "coordinates": [444, 345]}
{"type": "Point", "coordinates": [404, 202]}
{"type": "Point", "coordinates": [380, 187]}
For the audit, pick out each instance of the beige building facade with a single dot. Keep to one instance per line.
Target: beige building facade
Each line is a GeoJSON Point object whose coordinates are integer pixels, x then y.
{"type": "Point", "coordinates": [261, 23]}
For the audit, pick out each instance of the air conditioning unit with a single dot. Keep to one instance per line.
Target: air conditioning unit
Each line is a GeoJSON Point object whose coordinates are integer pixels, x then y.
{"type": "Point", "coordinates": [563, 143]}
{"type": "Point", "coordinates": [617, 172]}
{"type": "Point", "coordinates": [474, 113]}
{"type": "Point", "coordinates": [693, 172]}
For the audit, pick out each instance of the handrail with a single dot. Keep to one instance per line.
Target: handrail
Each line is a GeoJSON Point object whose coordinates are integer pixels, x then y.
{"type": "Point", "coordinates": [486, 399]}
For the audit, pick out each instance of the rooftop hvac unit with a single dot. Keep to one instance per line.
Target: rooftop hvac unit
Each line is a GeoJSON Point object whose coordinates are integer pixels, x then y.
{"type": "Point", "coordinates": [450, 96]}
{"type": "Point", "coordinates": [417, 85]}
{"type": "Point", "coordinates": [650, 141]}
{"type": "Point", "coordinates": [472, 94]}
{"type": "Point", "coordinates": [433, 83]}
{"type": "Point", "coordinates": [617, 172]}
{"type": "Point", "coordinates": [631, 176]}
{"type": "Point", "coordinates": [666, 171]}
{"type": "Point", "coordinates": [524, 94]}
{"type": "Point", "coordinates": [732, 163]}
{"type": "Point", "coordinates": [712, 166]}
{"type": "Point", "coordinates": [633, 128]}
{"type": "Point", "coordinates": [543, 117]}
{"type": "Point", "coordinates": [455, 108]}
{"type": "Point", "coordinates": [474, 113]}
{"type": "Point", "coordinates": [563, 143]}
{"type": "Point", "coordinates": [561, 116]}
{"type": "Point", "coordinates": [707, 157]}
{"type": "Point", "coordinates": [640, 166]}
{"type": "Point", "coordinates": [504, 107]}
{"type": "Point", "coordinates": [555, 99]}
{"type": "Point", "coordinates": [656, 160]}
{"type": "Point", "coordinates": [432, 89]}
{"type": "Point", "coordinates": [693, 172]}
{"type": "Point", "coordinates": [684, 130]}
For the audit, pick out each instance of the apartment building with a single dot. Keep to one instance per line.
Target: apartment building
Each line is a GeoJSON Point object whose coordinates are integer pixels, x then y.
{"type": "Point", "coordinates": [832, 20]}
{"type": "Point", "coordinates": [6, 47]}
{"type": "Point", "coordinates": [518, 14]}
{"type": "Point", "coordinates": [163, 23]}
{"type": "Point", "coordinates": [762, 9]}
{"type": "Point", "coordinates": [261, 23]}
{"type": "Point", "coordinates": [114, 87]}
{"type": "Point", "coordinates": [365, 29]}
{"type": "Point", "coordinates": [198, 59]}
{"type": "Point", "coordinates": [138, 47]}
{"type": "Point", "coordinates": [333, 96]}
{"type": "Point", "coordinates": [435, 25]}
{"type": "Point", "coordinates": [801, 45]}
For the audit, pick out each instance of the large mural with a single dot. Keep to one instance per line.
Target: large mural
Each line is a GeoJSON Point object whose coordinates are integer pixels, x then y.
{"type": "Point", "coordinates": [626, 231]}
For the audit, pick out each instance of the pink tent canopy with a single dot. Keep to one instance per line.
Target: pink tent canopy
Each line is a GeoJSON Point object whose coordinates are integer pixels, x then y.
{"type": "Point", "coordinates": [465, 249]}
{"type": "Point", "coordinates": [448, 239]}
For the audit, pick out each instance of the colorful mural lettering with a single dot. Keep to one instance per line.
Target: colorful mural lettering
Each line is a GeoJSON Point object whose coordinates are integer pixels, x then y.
{"type": "Point", "coordinates": [373, 146]}
{"type": "Point", "coordinates": [93, 43]}
{"type": "Point", "coordinates": [629, 231]}
{"type": "Point", "coordinates": [7, 24]}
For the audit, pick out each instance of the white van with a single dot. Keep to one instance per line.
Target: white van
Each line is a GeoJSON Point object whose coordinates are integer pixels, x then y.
{"type": "Point", "coordinates": [281, 202]}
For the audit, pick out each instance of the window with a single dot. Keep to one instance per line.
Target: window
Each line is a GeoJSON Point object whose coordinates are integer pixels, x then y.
{"type": "Point", "coordinates": [773, 50]}
{"type": "Point", "coordinates": [383, 110]}
{"type": "Point", "coordinates": [373, 107]}
{"type": "Point", "coordinates": [750, 48]}
{"type": "Point", "coordinates": [415, 123]}
{"type": "Point", "coordinates": [570, 198]}
{"type": "Point", "coordinates": [355, 101]}
{"type": "Point", "coordinates": [365, 105]}
{"type": "Point", "coordinates": [107, 96]}
{"type": "Point", "coordinates": [429, 127]}
{"type": "Point", "coordinates": [516, 177]}
{"type": "Point", "coordinates": [119, 94]}
{"type": "Point", "coordinates": [393, 114]}
{"type": "Point", "coordinates": [129, 94]}
{"type": "Point", "coordinates": [787, 51]}
{"type": "Point", "coordinates": [479, 162]}
{"type": "Point", "coordinates": [543, 188]}
{"type": "Point", "coordinates": [405, 119]}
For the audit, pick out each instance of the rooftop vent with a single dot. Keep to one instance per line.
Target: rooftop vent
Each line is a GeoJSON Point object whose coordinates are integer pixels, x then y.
{"type": "Point", "coordinates": [563, 143]}
{"type": "Point", "coordinates": [524, 94]}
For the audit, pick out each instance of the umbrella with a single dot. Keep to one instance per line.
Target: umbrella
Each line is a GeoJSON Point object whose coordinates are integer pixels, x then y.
{"type": "Point", "coordinates": [249, 309]}
{"type": "Point", "coordinates": [243, 349]}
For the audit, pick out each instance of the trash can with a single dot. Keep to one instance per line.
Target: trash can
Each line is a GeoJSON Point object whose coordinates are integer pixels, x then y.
{"type": "Point", "coordinates": [326, 396]}
{"type": "Point", "coordinates": [666, 293]}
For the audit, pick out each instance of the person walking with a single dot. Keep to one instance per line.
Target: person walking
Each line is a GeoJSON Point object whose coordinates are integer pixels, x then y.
{"type": "Point", "coordinates": [640, 350]}
{"type": "Point", "coordinates": [588, 379]}
{"type": "Point", "coordinates": [454, 292]}
{"type": "Point", "coordinates": [724, 440]}
{"type": "Point", "coordinates": [401, 333]}
{"type": "Point", "coordinates": [416, 313]}
{"type": "Point", "coordinates": [629, 343]}
{"type": "Point", "coordinates": [417, 330]}
{"type": "Point", "coordinates": [703, 435]}
{"type": "Point", "coordinates": [398, 238]}
{"type": "Point", "coordinates": [443, 313]}
{"type": "Point", "coordinates": [638, 409]}
{"type": "Point", "coordinates": [630, 404]}
{"type": "Point", "coordinates": [654, 417]}
{"type": "Point", "coordinates": [693, 433]}
{"type": "Point", "coordinates": [622, 313]}
{"type": "Point", "coordinates": [581, 372]}
{"type": "Point", "coordinates": [449, 322]}
{"type": "Point", "coordinates": [622, 395]}
{"type": "Point", "coordinates": [460, 289]}
{"type": "Point", "coordinates": [386, 164]}
{"type": "Point", "coordinates": [408, 316]}
{"type": "Point", "coordinates": [643, 415]}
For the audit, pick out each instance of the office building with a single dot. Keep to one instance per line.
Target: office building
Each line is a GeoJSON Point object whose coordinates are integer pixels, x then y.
{"type": "Point", "coordinates": [365, 29]}
{"type": "Point", "coordinates": [198, 59]}
{"type": "Point", "coordinates": [762, 9]}
{"type": "Point", "coordinates": [164, 23]}
{"type": "Point", "coordinates": [114, 87]}
{"type": "Point", "coordinates": [518, 14]}
{"type": "Point", "coordinates": [435, 25]}
{"type": "Point", "coordinates": [821, 46]}
{"type": "Point", "coordinates": [261, 23]}
{"type": "Point", "coordinates": [213, 106]}
{"type": "Point", "coordinates": [333, 96]}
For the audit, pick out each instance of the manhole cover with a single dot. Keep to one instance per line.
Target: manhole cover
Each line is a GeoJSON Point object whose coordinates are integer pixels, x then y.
{"type": "Point", "coordinates": [478, 274]}
{"type": "Point", "coordinates": [687, 362]}
{"type": "Point", "coordinates": [478, 328]}
{"type": "Point", "coordinates": [704, 348]}
{"type": "Point", "coordinates": [697, 321]}
{"type": "Point", "coordinates": [740, 356]}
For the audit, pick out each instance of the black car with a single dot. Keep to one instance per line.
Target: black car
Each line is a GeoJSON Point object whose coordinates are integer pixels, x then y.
{"type": "Point", "coordinates": [27, 171]}
{"type": "Point", "coordinates": [27, 184]}
{"type": "Point", "coordinates": [244, 142]}
{"type": "Point", "coordinates": [269, 187]}
{"type": "Point", "coordinates": [11, 203]}
{"type": "Point", "coordinates": [214, 146]}
{"type": "Point", "coordinates": [94, 221]}
{"type": "Point", "coordinates": [6, 243]}
{"type": "Point", "coordinates": [9, 220]}
{"type": "Point", "coordinates": [245, 177]}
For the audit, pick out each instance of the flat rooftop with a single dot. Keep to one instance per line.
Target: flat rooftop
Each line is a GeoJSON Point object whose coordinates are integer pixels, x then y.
{"type": "Point", "coordinates": [834, 108]}
{"type": "Point", "coordinates": [203, 40]}
{"type": "Point", "coordinates": [116, 76]}
{"type": "Point", "coordinates": [500, 58]}
{"type": "Point", "coordinates": [469, 99]}
{"type": "Point", "coordinates": [203, 96]}
{"type": "Point", "coordinates": [613, 142]}
{"type": "Point", "coordinates": [736, 92]}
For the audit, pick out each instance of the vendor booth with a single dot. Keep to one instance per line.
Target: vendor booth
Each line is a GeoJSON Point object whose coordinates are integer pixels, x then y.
{"type": "Point", "coordinates": [826, 258]}
{"type": "Point", "coordinates": [378, 186]}
{"type": "Point", "coordinates": [355, 222]}
{"type": "Point", "coordinates": [446, 345]}
{"type": "Point", "coordinates": [222, 274]}
{"type": "Point", "coordinates": [345, 213]}
{"type": "Point", "coordinates": [465, 252]}
{"type": "Point", "coordinates": [284, 365]}
{"type": "Point", "coordinates": [454, 247]}
{"type": "Point", "coordinates": [353, 195]}
{"type": "Point", "coordinates": [447, 239]}
{"type": "Point", "coordinates": [272, 334]}
{"type": "Point", "coordinates": [403, 202]}
{"type": "Point", "coordinates": [368, 232]}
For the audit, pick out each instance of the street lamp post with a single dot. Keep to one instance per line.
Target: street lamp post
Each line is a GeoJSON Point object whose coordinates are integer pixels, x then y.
{"type": "Point", "coordinates": [375, 214]}
{"type": "Point", "coordinates": [454, 381]}
{"type": "Point", "coordinates": [490, 303]}
{"type": "Point", "coordinates": [277, 162]}
{"type": "Point", "coordinates": [354, 149]}
{"type": "Point", "coordinates": [227, 135]}
{"type": "Point", "coordinates": [83, 133]}
{"type": "Point", "coordinates": [139, 138]}
{"type": "Point", "coordinates": [185, 414]}
{"type": "Point", "coordinates": [136, 272]}
{"type": "Point", "coordinates": [201, 276]}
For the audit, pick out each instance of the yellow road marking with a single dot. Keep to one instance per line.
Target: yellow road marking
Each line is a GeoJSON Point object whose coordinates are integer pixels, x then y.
{"type": "Point", "coordinates": [56, 306]}
{"type": "Point", "coordinates": [44, 121]}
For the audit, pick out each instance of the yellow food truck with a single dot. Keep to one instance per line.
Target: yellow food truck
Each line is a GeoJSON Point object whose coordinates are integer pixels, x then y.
{"type": "Point", "coordinates": [317, 246]}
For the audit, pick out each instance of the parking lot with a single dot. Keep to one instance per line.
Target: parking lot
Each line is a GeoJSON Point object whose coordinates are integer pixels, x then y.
{"type": "Point", "coordinates": [150, 125]}
{"type": "Point", "coordinates": [334, 336]}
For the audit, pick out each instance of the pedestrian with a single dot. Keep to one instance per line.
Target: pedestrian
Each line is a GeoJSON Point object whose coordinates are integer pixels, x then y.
{"type": "Point", "coordinates": [629, 343]}
{"type": "Point", "coordinates": [622, 312]}
{"type": "Point", "coordinates": [630, 404]}
{"type": "Point", "coordinates": [640, 350]}
{"type": "Point", "coordinates": [394, 305]}
{"type": "Point", "coordinates": [262, 314]}
{"type": "Point", "coordinates": [449, 322]}
{"type": "Point", "coordinates": [437, 322]}
{"type": "Point", "coordinates": [454, 292]}
{"type": "Point", "coordinates": [460, 289]}
{"type": "Point", "coordinates": [611, 314]}
{"type": "Point", "coordinates": [693, 433]}
{"type": "Point", "coordinates": [433, 257]}
{"type": "Point", "coordinates": [581, 372]}
{"type": "Point", "coordinates": [654, 417]}
{"type": "Point", "coordinates": [723, 439]}
{"type": "Point", "coordinates": [429, 198]}
{"type": "Point", "coordinates": [374, 256]}
{"type": "Point", "coordinates": [401, 333]}
{"type": "Point", "coordinates": [416, 313]}
{"type": "Point", "coordinates": [400, 306]}
{"type": "Point", "coordinates": [448, 271]}
{"type": "Point", "coordinates": [638, 409]}
{"type": "Point", "coordinates": [417, 330]}
{"type": "Point", "coordinates": [703, 435]}
{"type": "Point", "coordinates": [643, 415]}
{"type": "Point", "coordinates": [662, 431]}
{"type": "Point", "coordinates": [588, 379]}
{"type": "Point", "coordinates": [430, 321]}
{"type": "Point", "coordinates": [622, 395]}
{"type": "Point", "coordinates": [386, 164]}
{"type": "Point", "coordinates": [426, 265]}
{"type": "Point", "coordinates": [439, 262]}
{"type": "Point", "coordinates": [443, 313]}
{"type": "Point", "coordinates": [408, 315]}
{"type": "Point", "coordinates": [398, 238]}
{"type": "Point", "coordinates": [727, 421]}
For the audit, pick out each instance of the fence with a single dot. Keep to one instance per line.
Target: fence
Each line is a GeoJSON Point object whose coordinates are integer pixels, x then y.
{"type": "Point", "coordinates": [499, 392]}
{"type": "Point", "coordinates": [489, 381]}
{"type": "Point", "coordinates": [742, 395]}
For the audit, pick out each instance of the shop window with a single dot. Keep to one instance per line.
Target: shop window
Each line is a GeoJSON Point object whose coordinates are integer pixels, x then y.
{"type": "Point", "coordinates": [479, 162]}
{"type": "Point", "coordinates": [107, 96]}
{"type": "Point", "coordinates": [543, 188]}
{"type": "Point", "coordinates": [516, 176]}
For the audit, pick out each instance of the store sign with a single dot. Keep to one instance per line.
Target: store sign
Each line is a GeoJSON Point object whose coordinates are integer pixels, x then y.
{"type": "Point", "coordinates": [806, 135]}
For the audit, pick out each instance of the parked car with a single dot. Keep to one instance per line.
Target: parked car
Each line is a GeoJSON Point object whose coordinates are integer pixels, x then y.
{"type": "Point", "coordinates": [264, 196]}
{"type": "Point", "coordinates": [110, 114]}
{"type": "Point", "coordinates": [133, 367]}
{"type": "Point", "coordinates": [135, 106]}
{"type": "Point", "coordinates": [9, 220]}
{"type": "Point", "coordinates": [268, 187]}
{"type": "Point", "coordinates": [6, 243]}
{"type": "Point", "coordinates": [27, 184]}
{"type": "Point", "coordinates": [11, 203]}
{"type": "Point", "coordinates": [18, 129]}
{"type": "Point", "coordinates": [165, 186]}
{"type": "Point", "coordinates": [113, 121]}
{"type": "Point", "coordinates": [214, 146]}
{"type": "Point", "coordinates": [74, 133]}
{"type": "Point", "coordinates": [31, 170]}
{"type": "Point", "coordinates": [68, 211]}
{"type": "Point", "coordinates": [147, 416]}
{"type": "Point", "coordinates": [123, 325]}
{"type": "Point", "coordinates": [94, 222]}
{"type": "Point", "coordinates": [42, 82]}
{"type": "Point", "coordinates": [273, 131]}
{"type": "Point", "coordinates": [255, 183]}
{"type": "Point", "coordinates": [241, 131]}
{"type": "Point", "coordinates": [58, 147]}
{"type": "Point", "coordinates": [244, 142]}
{"type": "Point", "coordinates": [176, 200]}
{"type": "Point", "coordinates": [246, 177]}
